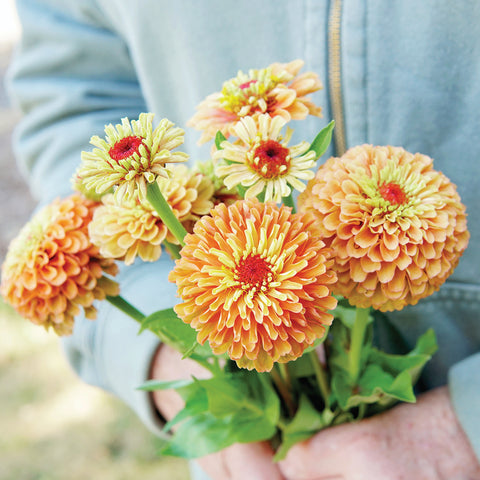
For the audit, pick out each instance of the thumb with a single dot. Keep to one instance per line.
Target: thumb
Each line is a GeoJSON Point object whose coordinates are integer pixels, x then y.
{"type": "Point", "coordinates": [322, 457]}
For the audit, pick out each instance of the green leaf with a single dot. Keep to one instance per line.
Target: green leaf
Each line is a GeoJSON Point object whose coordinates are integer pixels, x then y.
{"type": "Point", "coordinates": [376, 383]}
{"type": "Point", "coordinates": [152, 385]}
{"type": "Point", "coordinates": [196, 403]}
{"type": "Point", "coordinates": [198, 436]}
{"type": "Point", "coordinates": [219, 138]}
{"type": "Point", "coordinates": [374, 386]}
{"type": "Point", "coordinates": [341, 387]}
{"type": "Point", "coordinates": [306, 423]}
{"type": "Point", "coordinates": [301, 367]}
{"type": "Point", "coordinates": [413, 362]}
{"type": "Point", "coordinates": [204, 434]}
{"type": "Point", "coordinates": [226, 395]}
{"type": "Point", "coordinates": [322, 140]}
{"type": "Point", "coordinates": [222, 411]}
{"type": "Point", "coordinates": [174, 332]}
{"type": "Point", "coordinates": [345, 314]}
{"type": "Point", "coordinates": [426, 344]}
{"type": "Point", "coordinates": [267, 397]}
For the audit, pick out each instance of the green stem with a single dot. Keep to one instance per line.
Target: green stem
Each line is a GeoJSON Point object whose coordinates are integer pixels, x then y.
{"type": "Point", "coordinates": [126, 307]}
{"type": "Point", "coordinates": [173, 249]}
{"type": "Point", "coordinates": [362, 410]}
{"type": "Point", "coordinates": [288, 202]}
{"type": "Point", "coordinates": [362, 319]}
{"type": "Point", "coordinates": [156, 198]}
{"type": "Point", "coordinates": [283, 369]}
{"type": "Point", "coordinates": [283, 389]}
{"type": "Point", "coordinates": [321, 377]}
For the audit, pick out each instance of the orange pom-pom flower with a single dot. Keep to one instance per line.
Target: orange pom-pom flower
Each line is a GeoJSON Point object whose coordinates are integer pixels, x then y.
{"type": "Point", "coordinates": [397, 226]}
{"type": "Point", "coordinates": [52, 269]}
{"type": "Point", "coordinates": [131, 228]}
{"type": "Point", "coordinates": [255, 282]}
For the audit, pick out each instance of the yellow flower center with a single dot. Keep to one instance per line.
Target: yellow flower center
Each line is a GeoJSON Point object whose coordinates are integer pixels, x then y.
{"type": "Point", "coordinates": [271, 159]}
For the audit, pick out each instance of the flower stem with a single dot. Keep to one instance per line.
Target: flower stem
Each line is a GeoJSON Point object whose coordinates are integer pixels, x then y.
{"type": "Point", "coordinates": [126, 307]}
{"type": "Point", "coordinates": [173, 249]}
{"type": "Point", "coordinates": [321, 377]}
{"type": "Point", "coordinates": [156, 198]}
{"type": "Point", "coordinates": [288, 202]}
{"type": "Point", "coordinates": [283, 388]}
{"type": "Point", "coordinates": [362, 319]}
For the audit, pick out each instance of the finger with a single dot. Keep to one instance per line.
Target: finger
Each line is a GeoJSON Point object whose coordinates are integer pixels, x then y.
{"type": "Point", "coordinates": [240, 461]}
{"type": "Point", "coordinates": [253, 461]}
{"type": "Point", "coordinates": [320, 458]}
{"type": "Point", "coordinates": [215, 466]}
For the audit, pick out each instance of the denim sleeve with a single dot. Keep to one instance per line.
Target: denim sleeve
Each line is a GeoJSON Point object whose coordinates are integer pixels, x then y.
{"type": "Point", "coordinates": [72, 74]}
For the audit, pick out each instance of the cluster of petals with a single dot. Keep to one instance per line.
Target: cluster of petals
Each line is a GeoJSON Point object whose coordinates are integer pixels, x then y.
{"type": "Point", "coordinates": [132, 155]}
{"type": "Point", "coordinates": [277, 90]}
{"type": "Point", "coordinates": [262, 161]}
{"type": "Point", "coordinates": [52, 270]}
{"type": "Point", "coordinates": [396, 225]}
{"type": "Point", "coordinates": [255, 281]}
{"type": "Point", "coordinates": [130, 228]}
{"type": "Point", "coordinates": [221, 193]}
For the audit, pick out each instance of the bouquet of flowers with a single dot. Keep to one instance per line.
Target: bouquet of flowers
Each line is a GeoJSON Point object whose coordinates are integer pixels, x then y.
{"type": "Point", "coordinates": [278, 306]}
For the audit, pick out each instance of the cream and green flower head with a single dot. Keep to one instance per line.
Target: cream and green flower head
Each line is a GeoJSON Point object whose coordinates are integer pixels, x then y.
{"type": "Point", "coordinates": [132, 155]}
{"type": "Point", "coordinates": [261, 160]}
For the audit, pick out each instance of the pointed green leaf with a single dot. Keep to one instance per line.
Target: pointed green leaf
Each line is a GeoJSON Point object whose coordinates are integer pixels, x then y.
{"type": "Point", "coordinates": [196, 403]}
{"type": "Point", "coordinates": [306, 423]}
{"type": "Point", "coordinates": [220, 411]}
{"type": "Point", "coordinates": [322, 140]}
{"type": "Point", "coordinates": [174, 332]}
{"type": "Point", "coordinates": [151, 385]}
{"type": "Point", "coordinates": [219, 138]}
{"type": "Point", "coordinates": [199, 436]}
{"type": "Point", "coordinates": [413, 362]}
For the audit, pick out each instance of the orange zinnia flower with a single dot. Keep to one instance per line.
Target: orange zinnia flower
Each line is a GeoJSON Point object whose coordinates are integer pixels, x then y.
{"type": "Point", "coordinates": [254, 279]}
{"type": "Point", "coordinates": [52, 269]}
{"type": "Point", "coordinates": [276, 90]}
{"type": "Point", "coordinates": [397, 226]}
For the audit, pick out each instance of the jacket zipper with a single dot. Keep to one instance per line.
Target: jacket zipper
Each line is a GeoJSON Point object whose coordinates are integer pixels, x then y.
{"type": "Point", "coordinates": [335, 76]}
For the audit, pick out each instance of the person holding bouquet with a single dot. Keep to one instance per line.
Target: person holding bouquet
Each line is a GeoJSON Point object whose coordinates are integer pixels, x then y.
{"type": "Point", "coordinates": [400, 73]}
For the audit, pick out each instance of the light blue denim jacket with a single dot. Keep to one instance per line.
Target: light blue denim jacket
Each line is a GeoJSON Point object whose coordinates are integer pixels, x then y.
{"type": "Point", "coordinates": [409, 76]}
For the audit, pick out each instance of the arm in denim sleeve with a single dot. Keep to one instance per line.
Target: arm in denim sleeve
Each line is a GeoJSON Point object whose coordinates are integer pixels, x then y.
{"type": "Point", "coordinates": [71, 75]}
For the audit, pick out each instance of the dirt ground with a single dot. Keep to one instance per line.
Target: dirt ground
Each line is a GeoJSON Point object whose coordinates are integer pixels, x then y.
{"type": "Point", "coordinates": [52, 426]}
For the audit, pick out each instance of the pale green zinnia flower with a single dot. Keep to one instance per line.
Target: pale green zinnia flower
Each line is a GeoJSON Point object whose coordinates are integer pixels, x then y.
{"type": "Point", "coordinates": [132, 155]}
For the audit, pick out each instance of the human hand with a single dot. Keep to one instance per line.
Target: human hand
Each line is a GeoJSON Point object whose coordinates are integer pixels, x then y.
{"type": "Point", "coordinates": [421, 441]}
{"type": "Point", "coordinates": [253, 461]}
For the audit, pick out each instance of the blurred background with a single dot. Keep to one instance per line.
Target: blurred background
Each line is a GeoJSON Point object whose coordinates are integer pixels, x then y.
{"type": "Point", "coordinates": [52, 426]}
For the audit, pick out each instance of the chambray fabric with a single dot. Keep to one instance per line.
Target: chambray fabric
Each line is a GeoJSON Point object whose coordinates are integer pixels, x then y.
{"type": "Point", "coordinates": [410, 74]}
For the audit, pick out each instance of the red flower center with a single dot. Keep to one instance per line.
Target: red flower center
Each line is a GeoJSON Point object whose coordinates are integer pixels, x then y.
{"type": "Point", "coordinates": [254, 271]}
{"type": "Point", "coordinates": [245, 85]}
{"type": "Point", "coordinates": [271, 159]}
{"type": "Point", "coordinates": [393, 193]}
{"type": "Point", "coordinates": [125, 147]}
